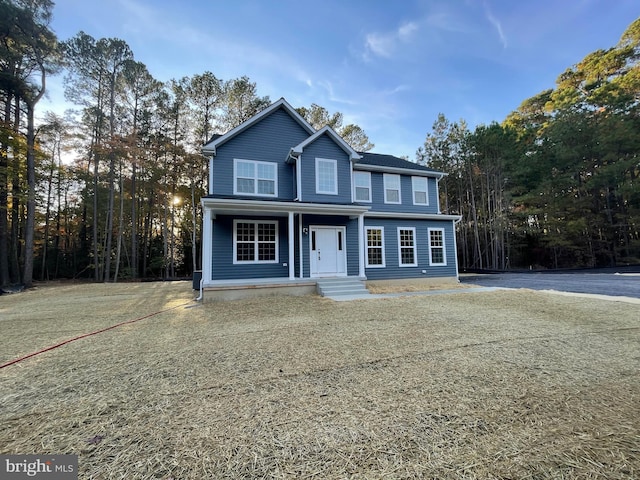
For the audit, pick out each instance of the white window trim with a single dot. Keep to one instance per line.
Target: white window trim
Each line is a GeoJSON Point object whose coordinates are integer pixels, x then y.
{"type": "Point", "coordinates": [368, 174]}
{"type": "Point", "coordinates": [415, 250]}
{"type": "Point", "coordinates": [444, 247]}
{"type": "Point", "coordinates": [387, 176]}
{"type": "Point", "coordinates": [256, 178]}
{"type": "Point", "coordinates": [255, 241]}
{"type": "Point", "coordinates": [366, 239]}
{"type": "Point", "coordinates": [335, 176]}
{"type": "Point", "coordinates": [414, 179]}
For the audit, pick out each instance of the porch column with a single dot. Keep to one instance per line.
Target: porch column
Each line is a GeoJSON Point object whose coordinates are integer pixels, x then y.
{"type": "Point", "coordinates": [207, 239]}
{"type": "Point", "coordinates": [300, 252]}
{"type": "Point", "coordinates": [361, 244]}
{"type": "Point", "coordinates": [290, 236]}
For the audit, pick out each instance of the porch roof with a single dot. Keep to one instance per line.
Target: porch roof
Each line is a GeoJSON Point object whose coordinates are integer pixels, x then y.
{"type": "Point", "coordinates": [225, 206]}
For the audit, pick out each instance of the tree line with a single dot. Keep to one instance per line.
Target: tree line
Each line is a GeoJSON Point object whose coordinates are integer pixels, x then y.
{"type": "Point", "coordinates": [127, 205]}
{"type": "Point", "coordinates": [556, 184]}
{"type": "Point", "coordinates": [111, 190]}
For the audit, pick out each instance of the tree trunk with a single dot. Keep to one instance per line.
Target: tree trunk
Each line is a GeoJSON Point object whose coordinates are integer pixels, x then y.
{"type": "Point", "coordinates": [4, 201]}
{"type": "Point", "coordinates": [120, 229]}
{"type": "Point", "coordinates": [94, 234]}
{"type": "Point", "coordinates": [27, 275]}
{"type": "Point", "coordinates": [134, 224]}
{"type": "Point", "coordinates": [45, 244]}
{"type": "Point", "coordinates": [14, 245]}
{"type": "Point", "coordinates": [112, 190]}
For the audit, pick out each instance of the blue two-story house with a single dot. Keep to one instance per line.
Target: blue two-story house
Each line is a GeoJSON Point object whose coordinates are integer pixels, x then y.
{"type": "Point", "coordinates": [288, 205]}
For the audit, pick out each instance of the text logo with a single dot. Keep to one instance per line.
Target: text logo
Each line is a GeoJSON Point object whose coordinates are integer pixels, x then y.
{"type": "Point", "coordinates": [46, 467]}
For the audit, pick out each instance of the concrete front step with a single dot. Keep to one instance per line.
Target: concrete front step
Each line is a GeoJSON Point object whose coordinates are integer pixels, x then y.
{"type": "Point", "coordinates": [344, 291]}
{"type": "Point", "coordinates": [335, 287]}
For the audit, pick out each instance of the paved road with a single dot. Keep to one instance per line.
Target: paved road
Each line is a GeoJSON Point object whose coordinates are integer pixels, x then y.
{"type": "Point", "coordinates": [599, 283]}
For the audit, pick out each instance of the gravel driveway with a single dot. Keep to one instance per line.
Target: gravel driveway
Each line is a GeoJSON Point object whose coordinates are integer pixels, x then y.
{"type": "Point", "coordinates": [626, 285]}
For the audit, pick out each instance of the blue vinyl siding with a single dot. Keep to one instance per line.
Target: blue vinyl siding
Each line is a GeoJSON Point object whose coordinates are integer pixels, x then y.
{"type": "Point", "coordinates": [222, 264]}
{"type": "Point", "coordinates": [324, 147]}
{"type": "Point", "coordinates": [269, 140]}
{"type": "Point", "coordinates": [406, 192]}
{"type": "Point", "coordinates": [393, 270]}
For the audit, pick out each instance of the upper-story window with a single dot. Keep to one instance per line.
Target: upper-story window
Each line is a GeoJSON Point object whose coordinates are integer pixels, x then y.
{"type": "Point", "coordinates": [326, 176]}
{"type": "Point", "coordinates": [251, 177]}
{"type": "Point", "coordinates": [362, 186]}
{"type": "Point", "coordinates": [420, 190]}
{"type": "Point", "coordinates": [391, 188]}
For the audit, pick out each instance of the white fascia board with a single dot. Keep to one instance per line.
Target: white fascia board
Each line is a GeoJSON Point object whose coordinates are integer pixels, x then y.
{"type": "Point", "coordinates": [230, 206]}
{"type": "Point", "coordinates": [210, 148]}
{"type": "Point", "coordinates": [406, 171]}
{"type": "Point", "coordinates": [414, 216]}
{"type": "Point", "coordinates": [353, 155]}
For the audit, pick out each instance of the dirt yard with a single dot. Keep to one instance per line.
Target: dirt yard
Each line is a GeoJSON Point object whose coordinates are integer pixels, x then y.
{"type": "Point", "coordinates": [499, 385]}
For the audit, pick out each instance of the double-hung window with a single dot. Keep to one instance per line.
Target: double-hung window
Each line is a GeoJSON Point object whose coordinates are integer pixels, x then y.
{"type": "Point", "coordinates": [251, 177]}
{"type": "Point", "coordinates": [407, 247]}
{"type": "Point", "coordinates": [375, 247]}
{"type": "Point", "coordinates": [362, 186]}
{"type": "Point", "coordinates": [326, 176]}
{"type": "Point", "coordinates": [436, 247]}
{"type": "Point", "coordinates": [255, 241]}
{"type": "Point", "coordinates": [391, 188]}
{"type": "Point", "coordinates": [420, 190]}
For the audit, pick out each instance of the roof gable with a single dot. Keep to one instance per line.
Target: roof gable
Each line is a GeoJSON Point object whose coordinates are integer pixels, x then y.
{"type": "Point", "coordinates": [216, 141]}
{"type": "Point", "coordinates": [330, 132]}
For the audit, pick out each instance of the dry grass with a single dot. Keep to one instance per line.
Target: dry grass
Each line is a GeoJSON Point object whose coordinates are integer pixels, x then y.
{"type": "Point", "coordinates": [476, 385]}
{"type": "Point", "coordinates": [414, 287]}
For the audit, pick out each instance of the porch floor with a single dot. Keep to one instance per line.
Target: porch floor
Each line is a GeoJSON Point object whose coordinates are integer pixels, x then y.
{"type": "Point", "coordinates": [250, 287]}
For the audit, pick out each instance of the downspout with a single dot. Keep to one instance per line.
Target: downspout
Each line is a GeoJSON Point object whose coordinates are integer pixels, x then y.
{"type": "Point", "coordinates": [455, 250]}
{"type": "Point", "coordinates": [300, 249]}
{"type": "Point", "coordinates": [295, 158]}
{"type": "Point", "coordinates": [201, 290]}
{"type": "Point", "coordinates": [209, 191]}
{"type": "Point", "coordinates": [438, 178]}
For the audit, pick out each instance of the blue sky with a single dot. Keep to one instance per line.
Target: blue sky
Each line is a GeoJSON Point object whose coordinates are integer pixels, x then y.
{"type": "Point", "coordinates": [389, 65]}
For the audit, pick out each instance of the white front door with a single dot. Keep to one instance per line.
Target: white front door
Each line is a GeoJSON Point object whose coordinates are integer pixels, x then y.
{"type": "Point", "coordinates": [327, 247]}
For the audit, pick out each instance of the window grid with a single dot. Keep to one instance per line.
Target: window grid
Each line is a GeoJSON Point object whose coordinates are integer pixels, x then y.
{"type": "Point", "coordinates": [375, 247]}
{"type": "Point", "coordinates": [436, 247]}
{"type": "Point", "coordinates": [256, 242]}
{"type": "Point", "coordinates": [407, 245]}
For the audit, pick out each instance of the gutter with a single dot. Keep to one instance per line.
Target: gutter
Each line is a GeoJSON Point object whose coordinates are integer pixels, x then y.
{"type": "Point", "coordinates": [199, 298]}
{"type": "Point", "coordinates": [296, 159]}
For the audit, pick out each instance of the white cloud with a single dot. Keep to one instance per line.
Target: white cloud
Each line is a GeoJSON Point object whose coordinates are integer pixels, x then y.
{"type": "Point", "coordinates": [381, 45]}
{"type": "Point", "coordinates": [385, 44]}
{"type": "Point", "coordinates": [398, 89]}
{"type": "Point", "coordinates": [405, 31]}
{"type": "Point", "coordinates": [496, 23]}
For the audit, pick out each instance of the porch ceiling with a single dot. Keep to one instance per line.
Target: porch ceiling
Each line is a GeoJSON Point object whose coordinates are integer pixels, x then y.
{"type": "Point", "coordinates": [219, 206]}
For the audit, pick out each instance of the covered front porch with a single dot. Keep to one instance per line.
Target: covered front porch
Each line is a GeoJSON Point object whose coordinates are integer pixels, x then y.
{"type": "Point", "coordinates": [310, 238]}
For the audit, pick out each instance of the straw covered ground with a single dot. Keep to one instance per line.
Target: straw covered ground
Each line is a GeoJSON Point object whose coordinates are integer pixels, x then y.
{"type": "Point", "coordinates": [505, 384]}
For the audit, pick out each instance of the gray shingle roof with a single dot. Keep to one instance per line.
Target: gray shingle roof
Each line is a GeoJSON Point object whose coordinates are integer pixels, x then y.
{"type": "Point", "coordinates": [382, 160]}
